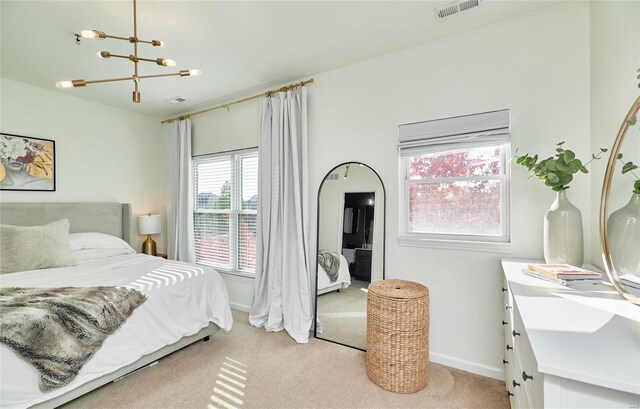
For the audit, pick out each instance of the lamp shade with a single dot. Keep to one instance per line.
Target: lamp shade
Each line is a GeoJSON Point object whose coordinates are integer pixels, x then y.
{"type": "Point", "coordinates": [149, 224]}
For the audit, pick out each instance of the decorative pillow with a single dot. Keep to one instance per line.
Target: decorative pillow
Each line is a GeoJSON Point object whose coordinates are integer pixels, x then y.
{"type": "Point", "coordinates": [93, 240]}
{"type": "Point", "coordinates": [24, 248]}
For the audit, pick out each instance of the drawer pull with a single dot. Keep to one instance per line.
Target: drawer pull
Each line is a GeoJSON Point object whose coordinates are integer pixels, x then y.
{"type": "Point", "coordinates": [515, 334]}
{"type": "Point", "coordinates": [515, 383]}
{"type": "Point", "coordinates": [509, 347]}
{"type": "Point", "coordinates": [504, 362]}
{"type": "Point", "coordinates": [504, 322]}
{"type": "Point", "coordinates": [509, 394]}
{"type": "Point", "coordinates": [507, 307]}
{"type": "Point", "coordinates": [525, 376]}
{"type": "Point", "coordinates": [504, 290]}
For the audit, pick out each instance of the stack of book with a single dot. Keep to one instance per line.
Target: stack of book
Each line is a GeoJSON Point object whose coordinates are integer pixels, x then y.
{"type": "Point", "coordinates": [563, 274]}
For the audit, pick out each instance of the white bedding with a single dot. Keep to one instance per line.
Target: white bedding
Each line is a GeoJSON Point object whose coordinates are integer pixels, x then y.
{"type": "Point", "coordinates": [344, 278]}
{"type": "Point", "coordinates": [182, 299]}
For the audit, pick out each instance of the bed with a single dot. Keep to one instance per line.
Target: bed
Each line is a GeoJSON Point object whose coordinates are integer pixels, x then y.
{"type": "Point", "coordinates": [344, 278]}
{"type": "Point", "coordinates": [185, 303]}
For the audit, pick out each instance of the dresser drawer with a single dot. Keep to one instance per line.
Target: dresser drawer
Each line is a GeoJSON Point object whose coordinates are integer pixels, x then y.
{"type": "Point", "coordinates": [516, 386]}
{"type": "Point", "coordinates": [528, 375]}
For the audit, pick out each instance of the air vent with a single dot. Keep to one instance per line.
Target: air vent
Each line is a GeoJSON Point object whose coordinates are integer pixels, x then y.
{"type": "Point", "coordinates": [456, 7]}
{"type": "Point", "coordinates": [176, 100]}
{"type": "Point", "coordinates": [333, 176]}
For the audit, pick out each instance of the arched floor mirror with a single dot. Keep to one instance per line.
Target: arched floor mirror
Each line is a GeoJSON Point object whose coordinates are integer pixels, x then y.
{"type": "Point", "coordinates": [351, 245]}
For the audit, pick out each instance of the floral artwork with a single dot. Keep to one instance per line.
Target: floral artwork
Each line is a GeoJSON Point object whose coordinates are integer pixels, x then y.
{"type": "Point", "coordinates": [27, 163]}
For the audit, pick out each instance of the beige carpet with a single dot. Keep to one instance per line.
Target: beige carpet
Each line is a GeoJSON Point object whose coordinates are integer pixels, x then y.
{"type": "Point", "coordinates": [344, 316]}
{"type": "Point", "coordinates": [278, 373]}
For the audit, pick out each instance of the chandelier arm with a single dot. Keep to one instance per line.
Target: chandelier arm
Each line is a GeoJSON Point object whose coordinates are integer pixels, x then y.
{"type": "Point", "coordinates": [173, 74]}
{"type": "Point", "coordinates": [127, 39]}
{"type": "Point", "coordinates": [109, 80]}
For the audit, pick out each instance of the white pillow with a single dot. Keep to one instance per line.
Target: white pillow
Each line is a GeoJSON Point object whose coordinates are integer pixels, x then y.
{"type": "Point", "coordinates": [93, 240]}
{"type": "Point", "coordinates": [86, 255]}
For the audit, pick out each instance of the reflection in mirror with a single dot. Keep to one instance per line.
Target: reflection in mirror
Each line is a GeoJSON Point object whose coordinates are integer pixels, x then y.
{"type": "Point", "coordinates": [623, 223]}
{"type": "Point", "coordinates": [351, 210]}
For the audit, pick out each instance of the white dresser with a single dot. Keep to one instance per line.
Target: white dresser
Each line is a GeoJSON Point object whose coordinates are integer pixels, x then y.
{"type": "Point", "coordinates": [568, 348]}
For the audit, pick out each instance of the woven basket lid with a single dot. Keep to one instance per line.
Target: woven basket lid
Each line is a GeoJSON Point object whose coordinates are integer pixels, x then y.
{"type": "Point", "coordinates": [401, 289]}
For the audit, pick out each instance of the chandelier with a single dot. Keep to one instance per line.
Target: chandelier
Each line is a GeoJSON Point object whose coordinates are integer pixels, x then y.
{"type": "Point", "coordinates": [164, 62]}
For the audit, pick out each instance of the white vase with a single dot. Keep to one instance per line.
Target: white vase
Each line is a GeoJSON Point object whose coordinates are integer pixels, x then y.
{"type": "Point", "coordinates": [623, 228]}
{"type": "Point", "coordinates": [563, 242]}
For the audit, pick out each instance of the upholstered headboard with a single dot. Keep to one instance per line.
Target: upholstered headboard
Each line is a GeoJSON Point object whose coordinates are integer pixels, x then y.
{"type": "Point", "coordinates": [109, 218]}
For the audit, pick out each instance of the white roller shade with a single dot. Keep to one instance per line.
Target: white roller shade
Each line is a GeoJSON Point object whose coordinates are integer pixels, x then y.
{"type": "Point", "coordinates": [489, 128]}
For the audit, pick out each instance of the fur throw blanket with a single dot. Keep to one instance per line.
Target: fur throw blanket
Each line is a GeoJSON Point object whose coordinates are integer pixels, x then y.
{"type": "Point", "coordinates": [330, 261]}
{"type": "Point", "coordinates": [57, 330]}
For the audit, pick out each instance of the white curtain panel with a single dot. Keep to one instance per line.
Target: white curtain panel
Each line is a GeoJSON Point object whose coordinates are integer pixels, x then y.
{"type": "Point", "coordinates": [282, 297]}
{"type": "Point", "coordinates": [180, 192]}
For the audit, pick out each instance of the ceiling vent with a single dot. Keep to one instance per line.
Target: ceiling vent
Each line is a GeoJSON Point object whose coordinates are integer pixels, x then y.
{"type": "Point", "coordinates": [176, 100]}
{"type": "Point", "coordinates": [456, 7]}
{"type": "Point", "coordinates": [332, 176]}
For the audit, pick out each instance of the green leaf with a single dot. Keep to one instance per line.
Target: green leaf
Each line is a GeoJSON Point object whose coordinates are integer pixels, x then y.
{"type": "Point", "coordinates": [551, 164]}
{"type": "Point", "coordinates": [521, 159]}
{"type": "Point", "coordinates": [628, 167]}
{"type": "Point", "coordinates": [604, 149]}
{"type": "Point", "coordinates": [584, 170]}
{"type": "Point", "coordinates": [636, 186]}
{"type": "Point", "coordinates": [632, 120]}
{"type": "Point", "coordinates": [576, 165]}
{"type": "Point", "coordinates": [568, 156]}
{"type": "Point", "coordinates": [553, 178]}
{"type": "Point", "coordinates": [560, 143]}
{"type": "Point", "coordinates": [619, 156]}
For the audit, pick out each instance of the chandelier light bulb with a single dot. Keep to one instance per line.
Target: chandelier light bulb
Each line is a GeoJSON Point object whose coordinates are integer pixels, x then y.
{"type": "Point", "coordinates": [165, 62]}
{"type": "Point", "coordinates": [64, 84]}
{"type": "Point", "coordinates": [103, 54]}
{"type": "Point", "coordinates": [196, 71]}
{"type": "Point", "coordinates": [157, 43]}
{"type": "Point", "coordinates": [89, 33]}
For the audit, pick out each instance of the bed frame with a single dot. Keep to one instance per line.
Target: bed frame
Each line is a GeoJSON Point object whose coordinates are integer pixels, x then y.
{"type": "Point", "coordinates": [109, 218]}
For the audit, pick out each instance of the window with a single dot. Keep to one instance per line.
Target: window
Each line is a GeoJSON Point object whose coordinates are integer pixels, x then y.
{"type": "Point", "coordinates": [225, 210]}
{"type": "Point", "coordinates": [456, 181]}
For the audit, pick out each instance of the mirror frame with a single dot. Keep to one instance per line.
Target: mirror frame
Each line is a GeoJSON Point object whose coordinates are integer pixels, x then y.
{"type": "Point", "coordinates": [384, 244]}
{"type": "Point", "coordinates": [604, 198]}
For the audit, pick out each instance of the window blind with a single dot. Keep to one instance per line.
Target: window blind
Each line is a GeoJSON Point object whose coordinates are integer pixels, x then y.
{"type": "Point", "coordinates": [225, 210]}
{"type": "Point", "coordinates": [488, 128]}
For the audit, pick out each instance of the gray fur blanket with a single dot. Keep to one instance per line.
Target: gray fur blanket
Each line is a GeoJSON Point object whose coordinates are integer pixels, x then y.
{"type": "Point", "coordinates": [57, 330]}
{"type": "Point", "coordinates": [330, 261]}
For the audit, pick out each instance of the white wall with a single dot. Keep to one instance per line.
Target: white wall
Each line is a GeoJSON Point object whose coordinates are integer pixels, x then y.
{"type": "Point", "coordinates": [103, 153]}
{"type": "Point", "coordinates": [536, 65]}
{"type": "Point", "coordinates": [615, 57]}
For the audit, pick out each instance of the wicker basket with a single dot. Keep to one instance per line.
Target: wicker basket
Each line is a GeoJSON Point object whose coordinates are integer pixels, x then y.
{"type": "Point", "coordinates": [398, 335]}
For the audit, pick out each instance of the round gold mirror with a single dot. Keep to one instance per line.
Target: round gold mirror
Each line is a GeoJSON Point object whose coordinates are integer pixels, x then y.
{"type": "Point", "coordinates": [610, 249]}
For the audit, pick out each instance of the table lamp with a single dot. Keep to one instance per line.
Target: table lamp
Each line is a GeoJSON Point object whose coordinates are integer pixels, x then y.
{"type": "Point", "coordinates": [149, 224]}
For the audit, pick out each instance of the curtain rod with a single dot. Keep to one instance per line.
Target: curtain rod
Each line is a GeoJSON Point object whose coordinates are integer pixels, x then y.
{"type": "Point", "coordinates": [227, 105]}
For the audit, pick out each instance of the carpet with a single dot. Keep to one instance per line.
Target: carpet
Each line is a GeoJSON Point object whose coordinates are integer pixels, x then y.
{"type": "Point", "coordinates": [250, 368]}
{"type": "Point", "coordinates": [344, 316]}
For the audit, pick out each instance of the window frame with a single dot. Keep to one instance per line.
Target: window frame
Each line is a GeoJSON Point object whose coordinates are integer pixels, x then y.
{"type": "Point", "coordinates": [471, 242]}
{"type": "Point", "coordinates": [235, 209]}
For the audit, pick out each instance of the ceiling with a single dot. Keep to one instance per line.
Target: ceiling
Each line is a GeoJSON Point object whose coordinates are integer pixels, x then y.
{"type": "Point", "coordinates": [239, 46]}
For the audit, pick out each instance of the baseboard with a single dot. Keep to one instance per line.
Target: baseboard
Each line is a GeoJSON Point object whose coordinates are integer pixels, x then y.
{"type": "Point", "coordinates": [484, 370]}
{"type": "Point", "coordinates": [239, 307]}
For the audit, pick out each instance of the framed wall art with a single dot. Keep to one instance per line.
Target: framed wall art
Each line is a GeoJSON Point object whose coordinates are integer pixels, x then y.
{"type": "Point", "coordinates": [27, 164]}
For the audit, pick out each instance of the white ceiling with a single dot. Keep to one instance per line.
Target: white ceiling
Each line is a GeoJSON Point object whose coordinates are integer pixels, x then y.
{"type": "Point", "coordinates": [238, 45]}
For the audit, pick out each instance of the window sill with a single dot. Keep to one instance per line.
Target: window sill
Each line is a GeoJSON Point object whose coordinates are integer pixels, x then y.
{"type": "Point", "coordinates": [463, 245]}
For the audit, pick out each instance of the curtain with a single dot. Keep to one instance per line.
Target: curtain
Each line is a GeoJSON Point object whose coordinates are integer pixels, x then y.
{"type": "Point", "coordinates": [282, 297]}
{"type": "Point", "coordinates": [180, 192]}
